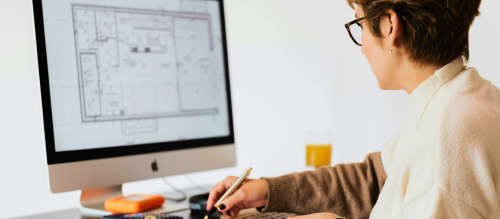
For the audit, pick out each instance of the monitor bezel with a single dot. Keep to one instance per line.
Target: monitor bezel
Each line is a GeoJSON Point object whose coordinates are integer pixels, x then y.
{"type": "Point", "coordinates": [54, 157]}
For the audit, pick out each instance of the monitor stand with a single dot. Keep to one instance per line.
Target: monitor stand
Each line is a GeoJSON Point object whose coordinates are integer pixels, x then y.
{"type": "Point", "coordinates": [92, 200]}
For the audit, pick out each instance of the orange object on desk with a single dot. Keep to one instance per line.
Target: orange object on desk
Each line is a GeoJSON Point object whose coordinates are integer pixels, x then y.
{"type": "Point", "coordinates": [133, 203]}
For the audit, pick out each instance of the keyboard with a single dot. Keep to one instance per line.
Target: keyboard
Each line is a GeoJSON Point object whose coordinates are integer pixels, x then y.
{"type": "Point", "coordinates": [270, 215]}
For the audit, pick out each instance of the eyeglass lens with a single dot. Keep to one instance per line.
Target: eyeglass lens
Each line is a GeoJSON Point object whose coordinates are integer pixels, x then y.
{"type": "Point", "coordinates": [356, 32]}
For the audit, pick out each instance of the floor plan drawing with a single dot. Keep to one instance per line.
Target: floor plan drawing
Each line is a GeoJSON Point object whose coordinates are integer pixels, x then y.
{"type": "Point", "coordinates": [194, 6]}
{"type": "Point", "coordinates": [139, 126]}
{"type": "Point", "coordinates": [138, 64]}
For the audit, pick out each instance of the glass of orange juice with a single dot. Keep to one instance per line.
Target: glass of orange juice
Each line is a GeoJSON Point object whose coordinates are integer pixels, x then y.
{"type": "Point", "coordinates": [318, 148]}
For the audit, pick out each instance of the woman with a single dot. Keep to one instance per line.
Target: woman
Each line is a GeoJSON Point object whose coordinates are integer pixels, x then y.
{"type": "Point", "coordinates": [444, 162]}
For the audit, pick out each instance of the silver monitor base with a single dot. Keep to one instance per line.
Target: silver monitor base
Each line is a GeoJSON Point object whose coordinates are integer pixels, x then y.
{"type": "Point", "coordinates": [92, 200]}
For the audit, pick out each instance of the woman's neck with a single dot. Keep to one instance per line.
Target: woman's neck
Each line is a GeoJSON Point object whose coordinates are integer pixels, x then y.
{"type": "Point", "coordinates": [415, 74]}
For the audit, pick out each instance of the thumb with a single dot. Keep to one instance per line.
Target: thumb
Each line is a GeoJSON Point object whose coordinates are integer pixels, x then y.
{"type": "Point", "coordinates": [239, 196]}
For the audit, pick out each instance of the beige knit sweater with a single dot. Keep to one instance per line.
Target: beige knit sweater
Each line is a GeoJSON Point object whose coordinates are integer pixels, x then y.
{"type": "Point", "coordinates": [444, 162]}
{"type": "Point", "coordinates": [349, 190]}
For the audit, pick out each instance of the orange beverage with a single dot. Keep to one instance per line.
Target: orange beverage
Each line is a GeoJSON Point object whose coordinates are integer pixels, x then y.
{"type": "Point", "coordinates": [318, 154]}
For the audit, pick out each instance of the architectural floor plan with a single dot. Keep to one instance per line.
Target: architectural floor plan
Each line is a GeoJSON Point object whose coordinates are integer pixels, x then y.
{"type": "Point", "coordinates": [135, 72]}
{"type": "Point", "coordinates": [137, 64]}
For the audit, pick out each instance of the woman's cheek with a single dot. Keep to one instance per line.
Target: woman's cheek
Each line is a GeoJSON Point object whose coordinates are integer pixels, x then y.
{"type": "Point", "coordinates": [363, 41]}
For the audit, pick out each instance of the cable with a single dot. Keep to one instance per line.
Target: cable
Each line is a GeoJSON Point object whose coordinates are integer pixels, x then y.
{"type": "Point", "coordinates": [194, 184]}
{"type": "Point", "coordinates": [184, 196]}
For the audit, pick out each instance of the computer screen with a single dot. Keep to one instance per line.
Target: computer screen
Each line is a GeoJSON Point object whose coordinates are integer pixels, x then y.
{"type": "Point", "coordinates": [134, 75]}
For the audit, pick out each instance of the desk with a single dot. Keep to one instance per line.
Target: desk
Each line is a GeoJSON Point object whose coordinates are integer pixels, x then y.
{"type": "Point", "coordinates": [75, 214]}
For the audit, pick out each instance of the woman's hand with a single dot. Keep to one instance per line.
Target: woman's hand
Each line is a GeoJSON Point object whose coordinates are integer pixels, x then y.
{"type": "Point", "coordinates": [317, 216]}
{"type": "Point", "coordinates": [250, 195]}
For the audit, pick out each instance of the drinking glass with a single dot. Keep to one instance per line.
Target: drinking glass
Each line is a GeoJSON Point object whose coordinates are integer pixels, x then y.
{"type": "Point", "coordinates": [319, 148]}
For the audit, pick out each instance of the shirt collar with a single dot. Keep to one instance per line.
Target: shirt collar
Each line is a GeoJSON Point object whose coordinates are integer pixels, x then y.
{"type": "Point", "coordinates": [426, 90]}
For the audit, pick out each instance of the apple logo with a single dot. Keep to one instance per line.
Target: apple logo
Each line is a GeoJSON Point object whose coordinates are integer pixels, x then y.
{"type": "Point", "coordinates": [154, 166]}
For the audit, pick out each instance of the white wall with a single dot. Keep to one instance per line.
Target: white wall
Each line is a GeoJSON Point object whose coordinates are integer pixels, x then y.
{"type": "Point", "coordinates": [293, 68]}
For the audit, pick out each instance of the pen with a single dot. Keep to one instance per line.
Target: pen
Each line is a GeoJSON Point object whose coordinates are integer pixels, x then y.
{"type": "Point", "coordinates": [229, 192]}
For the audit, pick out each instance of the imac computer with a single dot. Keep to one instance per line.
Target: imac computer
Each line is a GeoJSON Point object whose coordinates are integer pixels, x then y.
{"type": "Point", "coordinates": [132, 90]}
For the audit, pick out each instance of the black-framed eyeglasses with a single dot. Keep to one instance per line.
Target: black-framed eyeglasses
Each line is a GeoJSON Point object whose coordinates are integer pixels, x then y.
{"type": "Point", "coordinates": [355, 30]}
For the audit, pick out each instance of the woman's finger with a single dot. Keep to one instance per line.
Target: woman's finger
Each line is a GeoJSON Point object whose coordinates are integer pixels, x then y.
{"type": "Point", "coordinates": [238, 197]}
{"type": "Point", "coordinates": [234, 211]}
{"type": "Point", "coordinates": [218, 190]}
{"type": "Point", "coordinates": [215, 193]}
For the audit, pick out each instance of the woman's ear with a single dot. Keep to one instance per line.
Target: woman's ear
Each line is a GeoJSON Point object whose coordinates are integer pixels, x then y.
{"type": "Point", "coordinates": [390, 29]}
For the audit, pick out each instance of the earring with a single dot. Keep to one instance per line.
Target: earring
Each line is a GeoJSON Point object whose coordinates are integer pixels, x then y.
{"type": "Point", "coordinates": [390, 51]}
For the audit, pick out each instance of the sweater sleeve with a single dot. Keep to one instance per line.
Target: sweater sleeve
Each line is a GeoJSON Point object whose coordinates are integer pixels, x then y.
{"type": "Point", "coordinates": [349, 190]}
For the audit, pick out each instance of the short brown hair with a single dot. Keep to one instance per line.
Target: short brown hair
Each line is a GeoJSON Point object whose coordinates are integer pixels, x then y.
{"type": "Point", "coordinates": [434, 31]}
